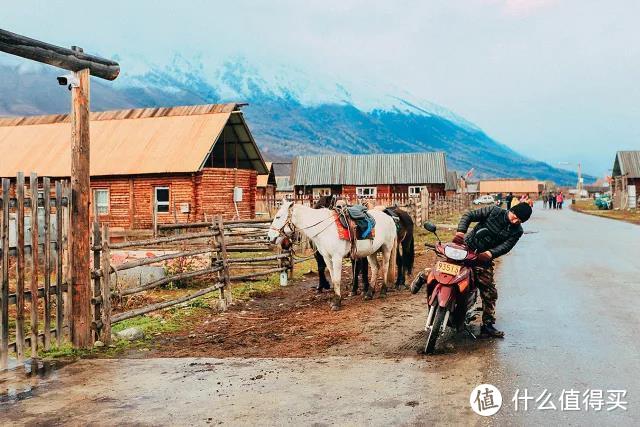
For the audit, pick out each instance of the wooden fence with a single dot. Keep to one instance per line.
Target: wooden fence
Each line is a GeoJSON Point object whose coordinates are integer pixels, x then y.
{"type": "Point", "coordinates": [226, 253]}
{"type": "Point", "coordinates": [35, 225]}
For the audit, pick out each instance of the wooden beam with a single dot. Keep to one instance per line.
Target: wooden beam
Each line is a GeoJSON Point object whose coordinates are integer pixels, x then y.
{"type": "Point", "coordinates": [80, 192]}
{"type": "Point", "coordinates": [72, 60]}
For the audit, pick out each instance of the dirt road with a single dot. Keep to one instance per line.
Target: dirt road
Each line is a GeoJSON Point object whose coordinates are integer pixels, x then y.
{"type": "Point", "coordinates": [286, 359]}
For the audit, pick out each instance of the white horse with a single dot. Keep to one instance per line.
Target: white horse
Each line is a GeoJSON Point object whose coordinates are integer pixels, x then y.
{"type": "Point", "coordinates": [320, 227]}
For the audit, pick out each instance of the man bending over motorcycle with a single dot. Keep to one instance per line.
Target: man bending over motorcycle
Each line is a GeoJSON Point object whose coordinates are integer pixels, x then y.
{"type": "Point", "coordinates": [504, 231]}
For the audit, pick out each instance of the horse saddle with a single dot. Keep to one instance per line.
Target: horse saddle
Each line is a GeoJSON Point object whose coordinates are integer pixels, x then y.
{"type": "Point", "coordinates": [356, 219]}
{"type": "Point", "coordinates": [392, 213]}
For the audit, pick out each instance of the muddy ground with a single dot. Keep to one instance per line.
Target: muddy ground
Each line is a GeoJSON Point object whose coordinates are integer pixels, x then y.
{"type": "Point", "coordinates": [296, 322]}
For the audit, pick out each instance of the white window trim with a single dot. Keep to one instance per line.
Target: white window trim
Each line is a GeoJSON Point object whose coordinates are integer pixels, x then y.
{"type": "Point", "coordinates": [95, 190]}
{"type": "Point", "coordinates": [156, 203]}
{"type": "Point", "coordinates": [373, 192]}
{"type": "Point", "coordinates": [414, 187]}
{"type": "Point", "coordinates": [321, 191]}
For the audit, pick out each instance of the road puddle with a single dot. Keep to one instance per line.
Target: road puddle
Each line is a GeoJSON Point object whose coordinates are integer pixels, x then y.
{"type": "Point", "coordinates": [22, 380]}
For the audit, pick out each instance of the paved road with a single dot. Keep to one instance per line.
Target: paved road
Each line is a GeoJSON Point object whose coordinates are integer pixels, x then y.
{"type": "Point", "coordinates": [570, 303]}
{"type": "Point", "coordinates": [569, 298]}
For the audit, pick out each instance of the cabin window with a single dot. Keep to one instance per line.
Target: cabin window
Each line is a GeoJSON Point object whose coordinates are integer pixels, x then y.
{"type": "Point", "coordinates": [366, 191]}
{"type": "Point", "coordinates": [101, 201]}
{"type": "Point", "coordinates": [322, 191]}
{"type": "Point", "coordinates": [415, 190]}
{"type": "Point", "coordinates": [162, 199]}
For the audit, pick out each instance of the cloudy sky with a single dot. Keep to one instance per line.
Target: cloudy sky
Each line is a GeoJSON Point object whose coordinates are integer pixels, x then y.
{"type": "Point", "coordinates": [558, 80]}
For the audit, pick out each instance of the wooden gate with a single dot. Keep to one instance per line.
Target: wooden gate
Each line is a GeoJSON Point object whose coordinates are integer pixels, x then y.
{"type": "Point", "coordinates": [34, 227]}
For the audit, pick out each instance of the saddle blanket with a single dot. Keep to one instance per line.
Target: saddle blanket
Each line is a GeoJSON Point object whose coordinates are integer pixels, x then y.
{"type": "Point", "coordinates": [344, 233]}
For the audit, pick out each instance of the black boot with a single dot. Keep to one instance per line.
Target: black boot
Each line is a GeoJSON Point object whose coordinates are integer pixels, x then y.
{"type": "Point", "coordinates": [490, 331]}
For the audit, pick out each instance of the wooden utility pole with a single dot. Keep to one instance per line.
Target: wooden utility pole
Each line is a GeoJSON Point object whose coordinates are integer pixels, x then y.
{"type": "Point", "coordinates": [80, 196]}
{"type": "Point", "coordinates": [82, 65]}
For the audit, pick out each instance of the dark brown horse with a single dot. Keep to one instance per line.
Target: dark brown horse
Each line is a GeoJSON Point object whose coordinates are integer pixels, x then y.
{"type": "Point", "coordinates": [404, 259]}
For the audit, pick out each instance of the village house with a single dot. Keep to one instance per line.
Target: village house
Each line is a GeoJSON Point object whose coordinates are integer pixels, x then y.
{"type": "Point", "coordinates": [178, 164]}
{"type": "Point", "coordinates": [517, 186]}
{"type": "Point", "coordinates": [266, 184]}
{"type": "Point", "coordinates": [625, 178]}
{"type": "Point", "coordinates": [370, 175]}
{"type": "Point", "coordinates": [452, 186]}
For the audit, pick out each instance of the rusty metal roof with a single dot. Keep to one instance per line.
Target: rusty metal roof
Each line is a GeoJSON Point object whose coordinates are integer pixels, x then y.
{"type": "Point", "coordinates": [627, 163]}
{"type": "Point", "coordinates": [370, 169]}
{"type": "Point", "coordinates": [123, 142]}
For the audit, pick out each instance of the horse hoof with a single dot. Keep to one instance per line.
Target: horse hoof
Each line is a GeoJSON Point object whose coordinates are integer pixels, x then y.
{"type": "Point", "coordinates": [368, 295]}
{"type": "Point", "coordinates": [383, 292]}
{"type": "Point", "coordinates": [353, 293]}
{"type": "Point", "coordinates": [335, 304]}
{"type": "Point", "coordinates": [401, 287]}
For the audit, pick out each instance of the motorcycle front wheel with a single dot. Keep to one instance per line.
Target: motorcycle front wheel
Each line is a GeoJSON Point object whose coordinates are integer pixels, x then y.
{"type": "Point", "coordinates": [435, 329]}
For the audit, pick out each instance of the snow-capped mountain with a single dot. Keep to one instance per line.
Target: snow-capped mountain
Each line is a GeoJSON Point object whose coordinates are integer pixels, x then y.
{"type": "Point", "coordinates": [290, 111]}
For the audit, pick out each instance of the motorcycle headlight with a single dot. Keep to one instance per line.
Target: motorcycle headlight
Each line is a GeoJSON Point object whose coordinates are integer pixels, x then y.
{"type": "Point", "coordinates": [455, 253]}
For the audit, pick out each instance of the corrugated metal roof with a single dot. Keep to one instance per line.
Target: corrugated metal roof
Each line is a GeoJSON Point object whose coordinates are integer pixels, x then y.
{"type": "Point", "coordinates": [627, 163]}
{"type": "Point", "coordinates": [370, 169]}
{"type": "Point", "coordinates": [452, 181]}
{"type": "Point", "coordinates": [123, 142]}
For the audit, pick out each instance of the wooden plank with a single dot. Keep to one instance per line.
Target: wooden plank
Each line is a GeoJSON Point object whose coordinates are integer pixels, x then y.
{"type": "Point", "coordinates": [153, 307]}
{"type": "Point", "coordinates": [33, 187]}
{"type": "Point", "coordinates": [96, 243]}
{"type": "Point", "coordinates": [4, 297]}
{"type": "Point", "coordinates": [80, 321]}
{"type": "Point", "coordinates": [46, 185]}
{"type": "Point", "coordinates": [159, 240]}
{"type": "Point", "coordinates": [153, 260]}
{"type": "Point", "coordinates": [169, 279]}
{"type": "Point", "coordinates": [57, 56]}
{"type": "Point", "coordinates": [59, 272]}
{"type": "Point", "coordinates": [226, 291]}
{"type": "Point", "coordinates": [105, 289]}
{"type": "Point", "coordinates": [20, 268]}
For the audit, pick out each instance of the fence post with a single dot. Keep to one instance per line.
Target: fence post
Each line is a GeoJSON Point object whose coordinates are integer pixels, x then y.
{"type": "Point", "coordinates": [225, 292]}
{"type": "Point", "coordinates": [20, 269]}
{"type": "Point", "coordinates": [4, 296]}
{"type": "Point", "coordinates": [105, 286]}
{"type": "Point", "coordinates": [33, 187]}
{"type": "Point", "coordinates": [96, 247]}
{"type": "Point", "coordinates": [46, 187]}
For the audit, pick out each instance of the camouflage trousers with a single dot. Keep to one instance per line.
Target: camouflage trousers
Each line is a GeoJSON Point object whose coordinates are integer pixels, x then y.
{"type": "Point", "coordinates": [488, 291]}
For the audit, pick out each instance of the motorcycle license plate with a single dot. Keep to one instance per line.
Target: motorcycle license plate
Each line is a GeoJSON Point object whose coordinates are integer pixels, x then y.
{"type": "Point", "coordinates": [447, 268]}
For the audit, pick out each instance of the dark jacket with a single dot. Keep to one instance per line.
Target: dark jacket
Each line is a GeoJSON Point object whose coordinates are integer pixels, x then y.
{"type": "Point", "coordinates": [502, 235]}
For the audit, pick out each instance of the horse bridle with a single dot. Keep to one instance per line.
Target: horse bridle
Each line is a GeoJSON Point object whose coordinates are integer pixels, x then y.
{"type": "Point", "coordinates": [282, 233]}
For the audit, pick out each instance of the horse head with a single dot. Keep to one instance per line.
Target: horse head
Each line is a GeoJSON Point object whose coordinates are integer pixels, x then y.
{"type": "Point", "coordinates": [281, 225]}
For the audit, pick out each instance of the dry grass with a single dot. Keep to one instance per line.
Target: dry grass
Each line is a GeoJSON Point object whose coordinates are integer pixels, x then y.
{"type": "Point", "coordinates": [588, 207]}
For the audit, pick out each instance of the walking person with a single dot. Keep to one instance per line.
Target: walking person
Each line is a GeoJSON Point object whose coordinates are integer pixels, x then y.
{"type": "Point", "coordinates": [560, 200]}
{"type": "Point", "coordinates": [545, 199]}
{"type": "Point", "coordinates": [553, 200]}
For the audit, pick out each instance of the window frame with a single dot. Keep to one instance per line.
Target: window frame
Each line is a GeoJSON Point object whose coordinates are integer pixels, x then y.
{"type": "Point", "coordinates": [95, 202]}
{"type": "Point", "coordinates": [321, 191]}
{"type": "Point", "coordinates": [413, 187]}
{"type": "Point", "coordinates": [373, 189]}
{"type": "Point", "coordinates": [157, 204]}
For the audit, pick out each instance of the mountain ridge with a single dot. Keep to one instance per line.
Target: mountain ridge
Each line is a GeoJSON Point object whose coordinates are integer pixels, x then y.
{"type": "Point", "coordinates": [284, 124]}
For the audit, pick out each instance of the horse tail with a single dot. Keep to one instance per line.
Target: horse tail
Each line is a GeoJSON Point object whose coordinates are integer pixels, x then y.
{"type": "Point", "coordinates": [392, 270]}
{"type": "Point", "coordinates": [408, 253]}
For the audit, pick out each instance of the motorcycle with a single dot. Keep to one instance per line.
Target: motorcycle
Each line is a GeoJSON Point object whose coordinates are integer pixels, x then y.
{"type": "Point", "coordinates": [451, 289]}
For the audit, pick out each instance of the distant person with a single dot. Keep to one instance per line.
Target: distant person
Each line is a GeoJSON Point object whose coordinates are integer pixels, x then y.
{"type": "Point", "coordinates": [554, 200]}
{"type": "Point", "coordinates": [508, 200]}
{"type": "Point", "coordinates": [560, 200]}
{"type": "Point", "coordinates": [545, 199]}
{"type": "Point", "coordinates": [499, 199]}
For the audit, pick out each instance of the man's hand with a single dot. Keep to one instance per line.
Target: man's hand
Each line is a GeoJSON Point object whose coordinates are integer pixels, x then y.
{"type": "Point", "coordinates": [485, 256]}
{"type": "Point", "coordinates": [458, 239]}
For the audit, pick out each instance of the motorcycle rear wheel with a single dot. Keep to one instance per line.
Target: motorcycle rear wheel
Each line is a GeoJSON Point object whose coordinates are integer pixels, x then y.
{"type": "Point", "coordinates": [435, 330]}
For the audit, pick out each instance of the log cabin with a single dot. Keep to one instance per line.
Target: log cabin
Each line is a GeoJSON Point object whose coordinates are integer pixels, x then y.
{"type": "Point", "coordinates": [179, 164]}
